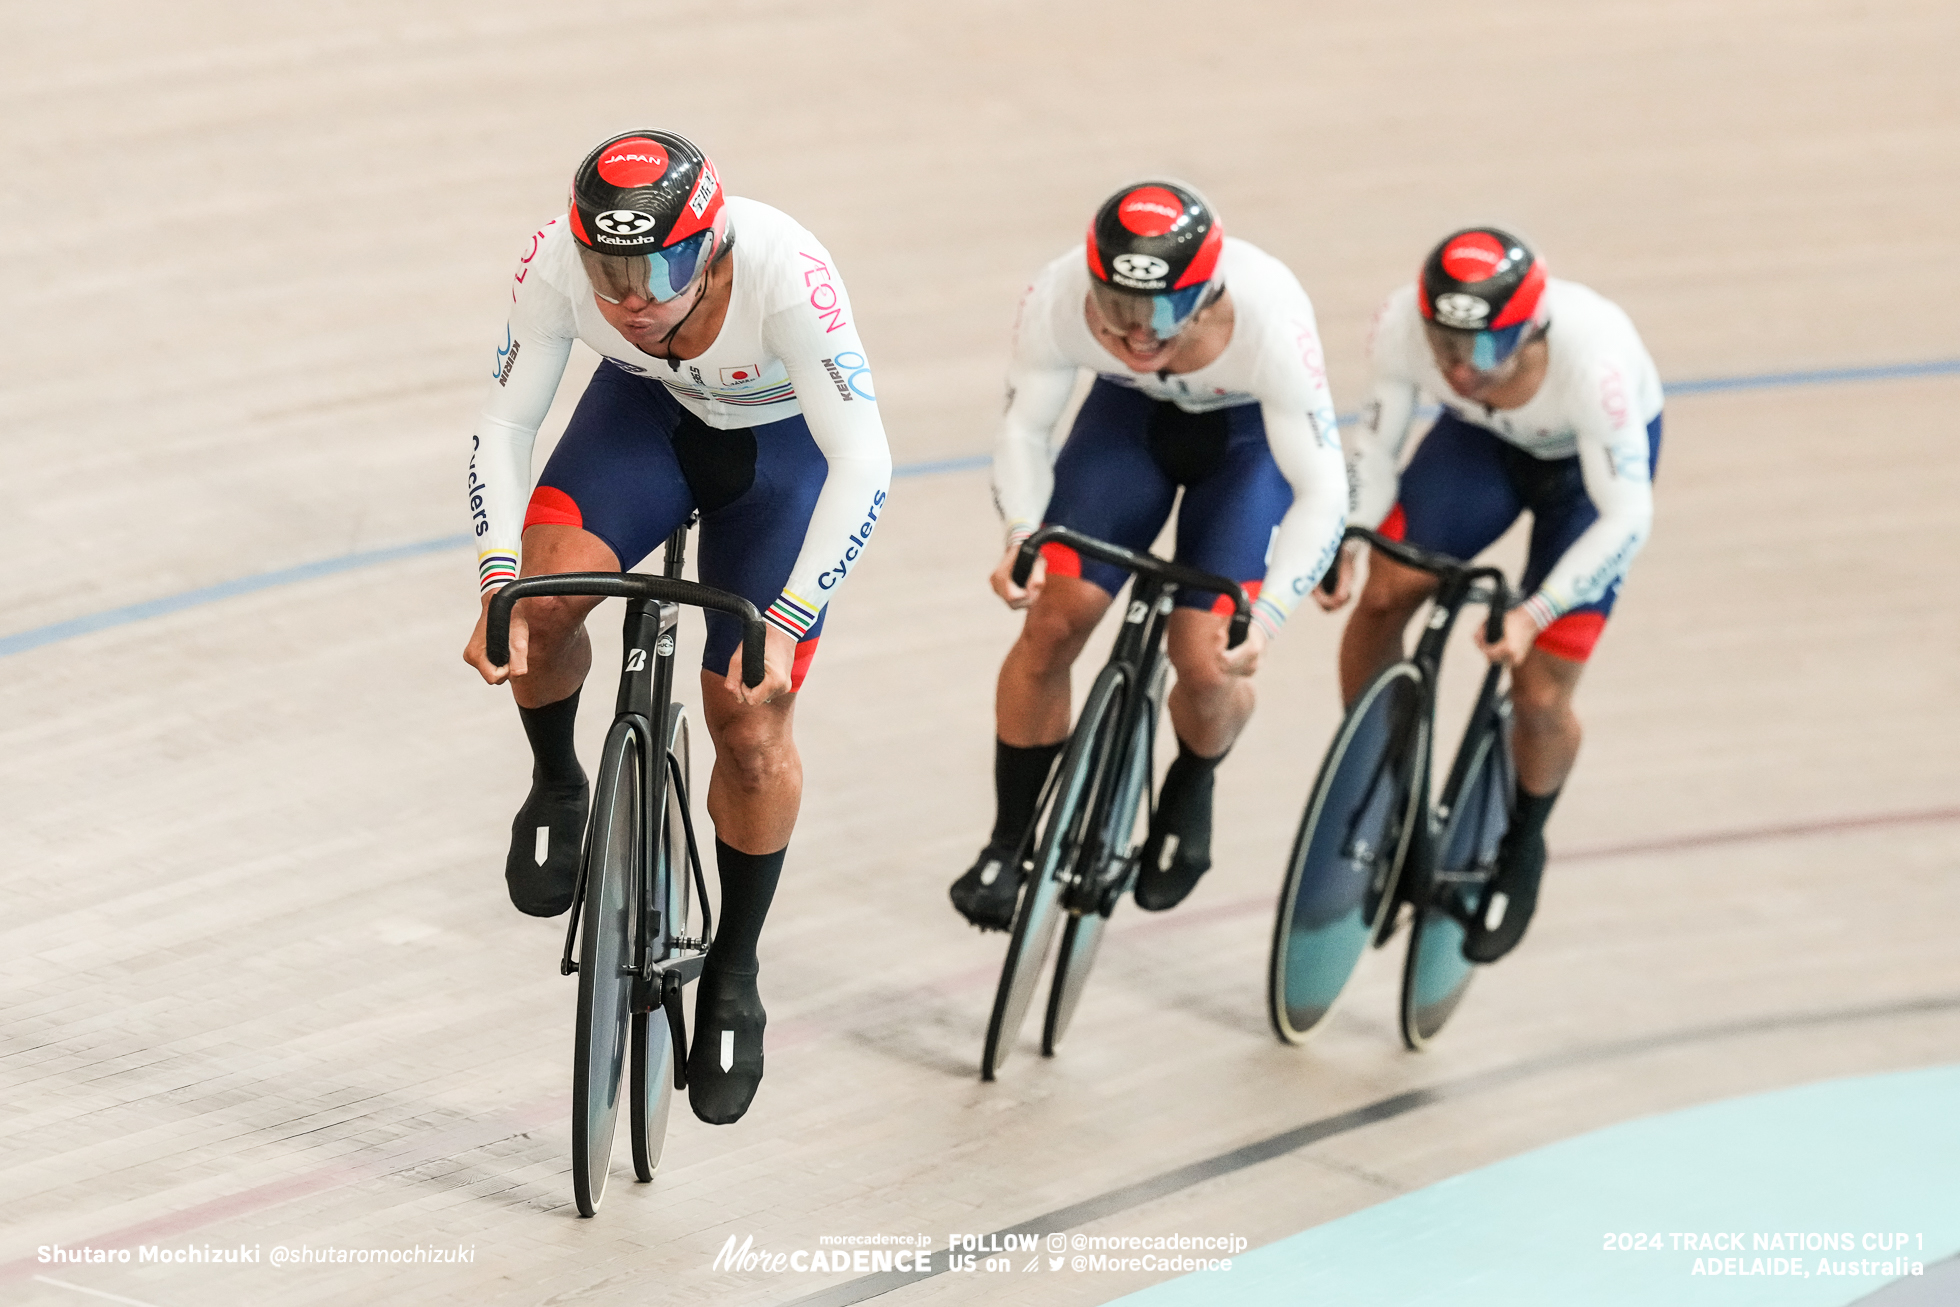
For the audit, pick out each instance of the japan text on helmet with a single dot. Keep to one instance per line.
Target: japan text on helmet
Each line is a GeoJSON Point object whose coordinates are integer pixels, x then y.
{"type": "Point", "coordinates": [1486, 289]}
{"type": "Point", "coordinates": [648, 213]}
{"type": "Point", "coordinates": [1153, 256]}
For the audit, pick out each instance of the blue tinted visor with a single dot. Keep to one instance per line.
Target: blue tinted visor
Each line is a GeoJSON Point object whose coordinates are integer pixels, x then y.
{"type": "Point", "coordinates": [1484, 351]}
{"type": "Point", "coordinates": [1163, 316]}
{"type": "Point", "coordinates": [659, 276]}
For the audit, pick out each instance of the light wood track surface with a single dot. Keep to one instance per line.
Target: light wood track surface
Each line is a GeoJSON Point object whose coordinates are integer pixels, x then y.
{"type": "Point", "coordinates": [261, 984]}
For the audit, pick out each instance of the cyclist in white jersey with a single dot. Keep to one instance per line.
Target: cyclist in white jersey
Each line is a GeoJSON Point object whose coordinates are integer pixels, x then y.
{"type": "Point", "coordinates": [1550, 404]}
{"type": "Point", "coordinates": [733, 384]}
{"type": "Point", "coordinates": [1208, 377]}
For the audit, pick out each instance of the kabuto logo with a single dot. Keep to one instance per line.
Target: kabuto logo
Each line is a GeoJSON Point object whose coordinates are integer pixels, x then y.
{"type": "Point", "coordinates": [1140, 267]}
{"type": "Point", "coordinates": [623, 222]}
{"type": "Point", "coordinates": [1465, 312]}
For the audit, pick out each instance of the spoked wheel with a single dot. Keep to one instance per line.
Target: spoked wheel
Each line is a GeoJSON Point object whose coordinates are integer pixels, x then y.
{"type": "Point", "coordinates": [652, 1040]}
{"type": "Point", "coordinates": [1082, 936]}
{"type": "Point", "coordinates": [1069, 824]}
{"type": "Point", "coordinates": [1436, 974]}
{"type": "Point", "coordinates": [605, 989]}
{"type": "Point", "coordinates": [1340, 879]}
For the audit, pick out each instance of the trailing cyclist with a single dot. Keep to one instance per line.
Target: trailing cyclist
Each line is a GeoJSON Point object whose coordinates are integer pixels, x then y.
{"type": "Point", "coordinates": [748, 400]}
{"type": "Point", "coordinates": [1209, 377]}
{"type": "Point", "coordinates": [1550, 404]}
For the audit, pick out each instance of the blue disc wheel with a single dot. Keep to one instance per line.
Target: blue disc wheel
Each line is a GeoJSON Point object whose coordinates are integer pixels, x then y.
{"type": "Point", "coordinates": [1475, 811]}
{"type": "Point", "coordinates": [1340, 879]}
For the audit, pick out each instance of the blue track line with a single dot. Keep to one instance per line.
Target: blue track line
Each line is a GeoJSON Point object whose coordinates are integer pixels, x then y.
{"type": "Point", "coordinates": [55, 632]}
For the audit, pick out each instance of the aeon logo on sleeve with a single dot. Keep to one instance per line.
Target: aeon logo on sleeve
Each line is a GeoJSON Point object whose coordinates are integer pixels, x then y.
{"type": "Point", "coordinates": [623, 222]}
{"type": "Point", "coordinates": [823, 293]}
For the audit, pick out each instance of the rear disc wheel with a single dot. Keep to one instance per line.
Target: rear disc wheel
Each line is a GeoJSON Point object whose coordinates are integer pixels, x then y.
{"type": "Point", "coordinates": [1340, 879]}
{"type": "Point", "coordinates": [1436, 975]}
{"type": "Point", "coordinates": [653, 1042]}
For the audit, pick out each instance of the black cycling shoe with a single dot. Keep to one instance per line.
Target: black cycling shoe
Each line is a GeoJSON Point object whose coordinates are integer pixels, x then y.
{"type": "Point", "coordinates": [1178, 849]}
{"type": "Point", "coordinates": [542, 869]}
{"type": "Point", "coordinates": [724, 1067]}
{"type": "Point", "coordinates": [1508, 900]}
{"type": "Point", "coordinates": [988, 892]}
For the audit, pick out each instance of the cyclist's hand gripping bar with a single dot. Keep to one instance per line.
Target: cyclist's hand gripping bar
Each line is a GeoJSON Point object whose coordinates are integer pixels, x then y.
{"type": "Point", "coordinates": [628, 585]}
{"type": "Point", "coordinates": [1185, 578]}
{"type": "Point", "coordinates": [1442, 565]}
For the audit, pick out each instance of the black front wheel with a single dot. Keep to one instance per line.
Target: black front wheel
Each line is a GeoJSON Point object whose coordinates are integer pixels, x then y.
{"type": "Point", "coordinates": [1475, 817]}
{"type": "Point", "coordinates": [1340, 878]}
{"type": "Point", "coordinates": [605, 986]}
{"type": "Point", "coordinates": [1123, 828]}
{"type": "Point", "coordinates": [1064, 835]}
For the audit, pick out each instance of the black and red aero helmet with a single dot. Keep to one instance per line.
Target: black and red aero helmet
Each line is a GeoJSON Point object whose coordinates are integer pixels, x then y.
{"type": "Point", "coordinates": [1154, 238]}
{"type": "Point", "coordinates": [649, 214]}
{"type": "Point", "coordinates": [644, 191]}
{"type": "Point", "coordinates": [1153, 257]}
{"type": "Point", "coordinates": [1481, 279]}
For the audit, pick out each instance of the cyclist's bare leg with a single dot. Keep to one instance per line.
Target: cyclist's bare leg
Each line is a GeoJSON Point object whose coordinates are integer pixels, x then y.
{"type": "Point", "coordinates": [757, 783]}
{"type": "Point", "coordinates": [1545, 730]}
{"type": "Point", "coordinates": [1031, 699]}
{"type": "Point", "coordinates": [1373, 638]}
{"type": "Point", "coordinates": [550, 632]}
{"type": "Point", "coordinates": [1208, 707]}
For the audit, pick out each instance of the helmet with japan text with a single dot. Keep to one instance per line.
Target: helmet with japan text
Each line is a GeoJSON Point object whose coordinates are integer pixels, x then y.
{"type": "Point", "coordinates": [1484, 290]}
{"type": "Point", "coordinates": [1153, 256]}
{"type": "Point", "coordinates": [648, 213]}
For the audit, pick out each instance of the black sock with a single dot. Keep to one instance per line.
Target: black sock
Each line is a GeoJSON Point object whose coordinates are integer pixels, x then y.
{"type": "Point", "coordinates": [1018, 777]}
{"type": "Point", "coordinates": [554, 753]}
{"type": "Point", "coordinates": [1190, 765]}
{"type": "Point", "coordinates": [1528, 818]}
{"type": "Point", "coordinates": [748, 883]}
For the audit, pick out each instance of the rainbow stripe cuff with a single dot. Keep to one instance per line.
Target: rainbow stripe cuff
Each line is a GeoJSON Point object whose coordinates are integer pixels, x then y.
{"type": "Point", "coordinates": [495, 569]}
{"type": "Point", "coordinates": [1543, 611]}
{"type": "Point", "coordinates": [790, 613]}
{"type": "Point", "coordinates": [1269, 615]}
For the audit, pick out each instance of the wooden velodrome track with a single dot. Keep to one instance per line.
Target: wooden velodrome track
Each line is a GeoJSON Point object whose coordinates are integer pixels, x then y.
{"type": "Point", "coordinates": [261, 982]}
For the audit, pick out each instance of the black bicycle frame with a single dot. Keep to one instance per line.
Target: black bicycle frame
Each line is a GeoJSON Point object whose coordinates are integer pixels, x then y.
{"type": "Point", "coordinates": [1457, 584]}
{"type": "Point", "coordinates": [646, 689]}
{"type": "Point", "coordinates": [1137, 653]}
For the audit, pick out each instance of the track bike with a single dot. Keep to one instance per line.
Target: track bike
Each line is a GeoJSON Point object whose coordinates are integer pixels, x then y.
{"type": "Point", "coordinates": [1371, 840]}
{"type": "Point", "coordinates": [1079, 855]}
{"type": "Point", "coordinates": [630, 917]}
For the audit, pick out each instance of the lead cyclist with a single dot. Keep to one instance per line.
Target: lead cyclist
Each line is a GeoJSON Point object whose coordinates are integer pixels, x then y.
{"type": "Point", "coordinates": [1209, 378]}
{"type": "Point", "coordinates": [746, 398]}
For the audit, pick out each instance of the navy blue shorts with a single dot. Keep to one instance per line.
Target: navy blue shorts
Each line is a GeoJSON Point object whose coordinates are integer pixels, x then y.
{"type": "Point", "coordinates": [1466, 486]}
{"type": "Point", "coordinates": [633, 464]}
{"type": "Point", "coordinates": [1118, 476]}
